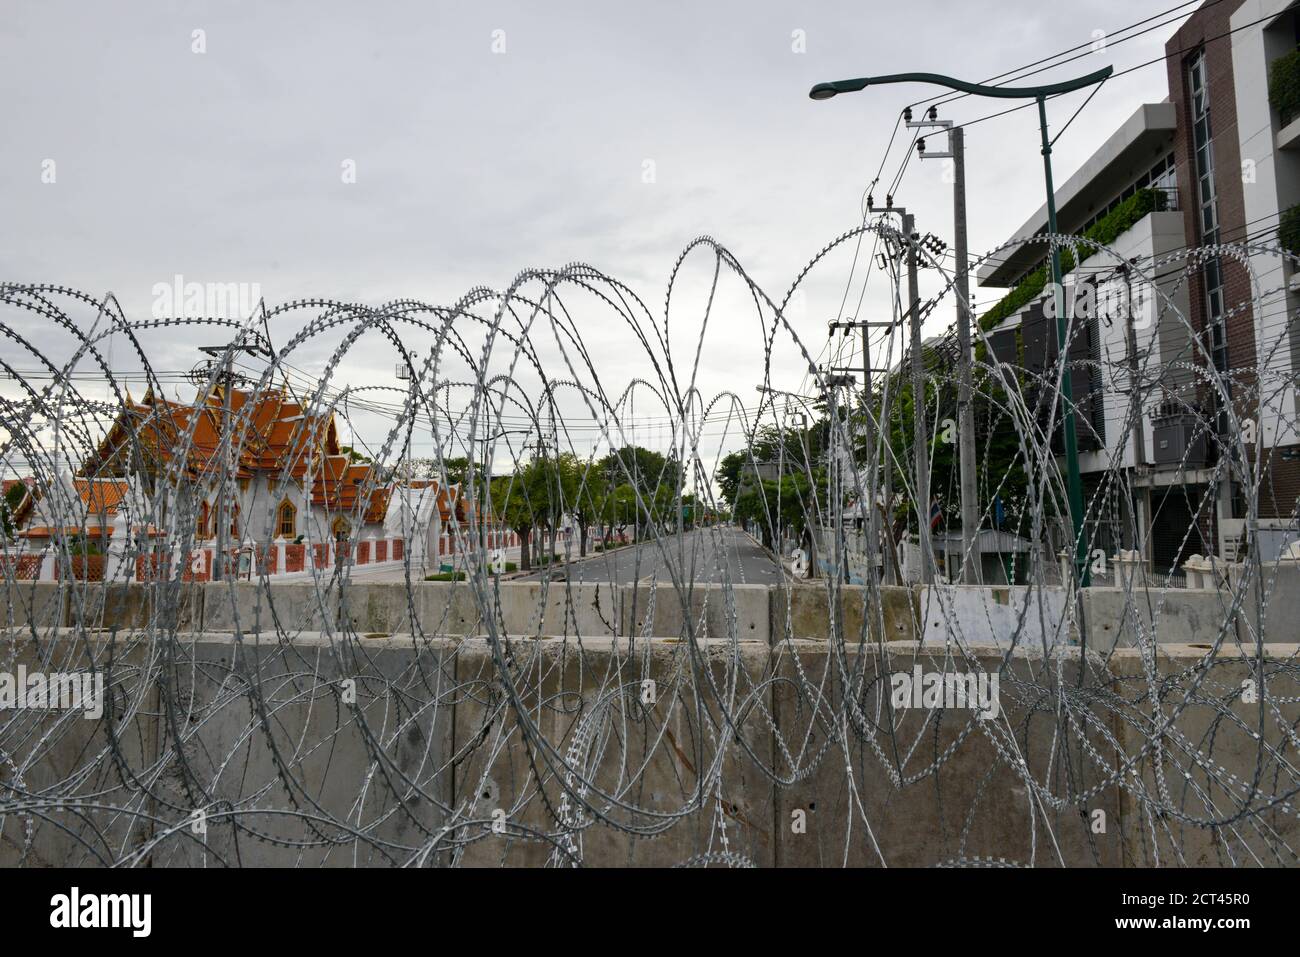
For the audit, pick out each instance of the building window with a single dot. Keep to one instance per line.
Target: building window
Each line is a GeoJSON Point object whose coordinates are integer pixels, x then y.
{"type": "Point", "coordinates": [205, 520]}
{"type": "Point", "coordinates": [1162, 176]}
{"type": "Point", "coordinates": [1206, 200]}
{"type": "Point", "coordinates": [286, 520]}
{"type": "Point", "coordinates": [342, 528]}
{"type": "Point", "coordinates": [1203, 144]}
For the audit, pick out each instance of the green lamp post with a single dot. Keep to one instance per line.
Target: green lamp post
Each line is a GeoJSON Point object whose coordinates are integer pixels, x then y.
{"type": "Point", "coordinates": [824, 91]}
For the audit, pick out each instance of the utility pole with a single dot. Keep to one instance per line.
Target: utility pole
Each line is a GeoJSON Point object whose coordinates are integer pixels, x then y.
{"type": "Point", "coordinates": [825, 91]}
{"type": "Point", "coordinates": [920, 432]}
{"type": "Point", "coordinates": [259, 346]}
{"type": "Point", "coordinates": [970, 560]}
{"type": "Point", "coordinates": [874, 542]}
{"type": "Point", "coordinates": [1075, 481]}
{"type": "Point", "coordinates": [833, 384]}
{"type": "Point", "coordinates": [1141, 536]}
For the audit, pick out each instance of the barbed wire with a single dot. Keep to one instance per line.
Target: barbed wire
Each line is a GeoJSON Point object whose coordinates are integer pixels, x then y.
{"type": "Point", "coordinates": [776, 656]}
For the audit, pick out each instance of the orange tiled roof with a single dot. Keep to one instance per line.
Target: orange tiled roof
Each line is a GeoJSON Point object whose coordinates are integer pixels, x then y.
{"type": "Point", "coordinates": [101, 496]}
{"type": "Point", "coordinates": [272, 434]}
{"type": "Point", "coordinates": [72, 531]}
{"type": "Point", "coordinates": [340, 481]}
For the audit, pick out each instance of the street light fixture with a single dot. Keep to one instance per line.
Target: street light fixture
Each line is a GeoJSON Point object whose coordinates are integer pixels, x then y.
{"type": "Point", "coordinates": [825, 91]}
{"type": "Point", "coordinates": [487, 482]}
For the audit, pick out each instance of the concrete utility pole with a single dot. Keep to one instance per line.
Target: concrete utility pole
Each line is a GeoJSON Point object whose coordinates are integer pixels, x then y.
{"type": "Point", "coordinates": [833, 384]}
{"type": "Point", "coordinates": [825, 91]}
{"type": "Point", "coordinates": [970, 517]}
{"type": "Point", "coordinates": [1141, 503]}
{"type": "Point", "coordinates": [259, 346]}
{"type": "Point", "coordinates": [874, 541]}
{"type": "Point", "coordinates": [920, 432]}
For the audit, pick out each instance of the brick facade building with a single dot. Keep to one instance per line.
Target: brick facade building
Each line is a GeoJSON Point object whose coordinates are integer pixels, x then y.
{"type": "Point", "coordinates": [1204, 71]}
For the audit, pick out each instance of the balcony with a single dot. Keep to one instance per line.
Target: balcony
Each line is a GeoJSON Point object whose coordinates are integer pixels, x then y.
{"type": "Point", "coordinates": [1168, 201]}
{"type": "Point", "coordinates": [1284, 90]}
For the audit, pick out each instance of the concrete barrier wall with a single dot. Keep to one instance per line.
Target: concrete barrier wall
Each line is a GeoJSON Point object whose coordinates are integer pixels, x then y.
{"type": "Point", "coordinates": [261, 737]}
{"type": "Point", "coordinates": [1270, 602]}
{"type": "Point", "coordinates": [803, 612]}
{"type": "Point", "coordinates": [943, 786]}
{"type": "Point", "coordinates": [1215, 767]}
{"type": "Point", "coordinates": [968, 613]}
{"type": "Point", "coordinates": [937, 614]}
{"type": "Point", "coordinates": [43, 751]}
{"type": "Point", "coordinates": [1120, 619]}
{"type": "Point", "coordinates": [741, 612]}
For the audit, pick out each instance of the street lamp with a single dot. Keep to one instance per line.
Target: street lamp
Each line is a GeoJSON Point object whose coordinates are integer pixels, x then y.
{"type": "Point", "coordinates": [487, 482]}
{"type": "Point", "coordinates": [825, 91]}
{"type": "Point", "coordinates": [259, 345]}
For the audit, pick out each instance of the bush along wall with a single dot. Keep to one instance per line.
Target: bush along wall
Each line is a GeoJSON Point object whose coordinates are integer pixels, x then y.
{"type": "Point", "coordinates": [1105, 231]}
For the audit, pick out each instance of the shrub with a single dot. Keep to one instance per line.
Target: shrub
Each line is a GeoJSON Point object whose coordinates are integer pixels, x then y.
{"type": "Point", "coordinates": [1105, 231]}
{"type": "Point", "coordinates": [1284, 85]}
{"type": "Point", "coordinates": [445, 577]}
{"type": "Point", "coordinates": [1288, 230]}
{"type": "Point", "coordinates": [78, 546]}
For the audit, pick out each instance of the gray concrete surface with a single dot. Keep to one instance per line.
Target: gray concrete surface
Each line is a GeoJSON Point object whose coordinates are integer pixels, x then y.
{"type": "Point", "coordinates": [705, 556]}
{"type": "Point", "coordinates": [303, 779]}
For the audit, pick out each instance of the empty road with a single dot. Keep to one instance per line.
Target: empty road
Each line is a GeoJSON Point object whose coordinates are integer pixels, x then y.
{"type": "Point", "coordinates": [707, 551]}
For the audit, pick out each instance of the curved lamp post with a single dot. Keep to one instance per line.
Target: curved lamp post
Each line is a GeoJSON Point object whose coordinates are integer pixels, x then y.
{"type": "Point", "coordinates": [824, 91]}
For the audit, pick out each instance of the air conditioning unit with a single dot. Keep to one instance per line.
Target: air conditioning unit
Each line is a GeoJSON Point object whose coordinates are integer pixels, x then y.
{"type": "Point", "coordinates": [1178, 439]}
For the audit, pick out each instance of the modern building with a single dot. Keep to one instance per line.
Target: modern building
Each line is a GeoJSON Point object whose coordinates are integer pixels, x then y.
{"type": "Point", "coordinates": [1265, 82]}
{"type": "Point", "coordinates": [1216, 346]}
{"type": "Point", "coordinates": [1130, 326]}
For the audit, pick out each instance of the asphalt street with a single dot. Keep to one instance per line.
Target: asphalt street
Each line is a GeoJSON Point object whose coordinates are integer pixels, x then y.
{"type": "Point", "coordinates": [709, 555]}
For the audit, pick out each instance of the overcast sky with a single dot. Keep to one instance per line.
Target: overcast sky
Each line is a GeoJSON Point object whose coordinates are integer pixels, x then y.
{"type": "Point", "coordinates": [491, 137]}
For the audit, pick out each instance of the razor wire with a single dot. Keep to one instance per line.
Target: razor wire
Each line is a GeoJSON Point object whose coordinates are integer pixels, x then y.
{"type": "Point", "coordinates": [567, 663]}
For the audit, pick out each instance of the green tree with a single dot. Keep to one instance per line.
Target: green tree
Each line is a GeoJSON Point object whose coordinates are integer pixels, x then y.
{"type": "Point", "coordinates": [798, 450]}
{"type": "Point", "coordinates": [562, 476]}
{"type": "Point", "coordinates": [773, 504]}
{"type": "Point", "coordinates": [999, 465]}
{"type": "Point", "coordinates": [589, 502]}
{"type": "Point", "coordinates": [644, 469]}
{"type": "Point", "coordinates": [355, 456]}
{"type": "Point", "coordinates": [523, 502]}
{"type": "Point", "coordinates": [728, 473]}
{"type": "Point", "coordinates": [535, 499]}
{"type": "Point", "coordinates": [619, 509]}
{"type": "Point", "coordinates": [9, 505]}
